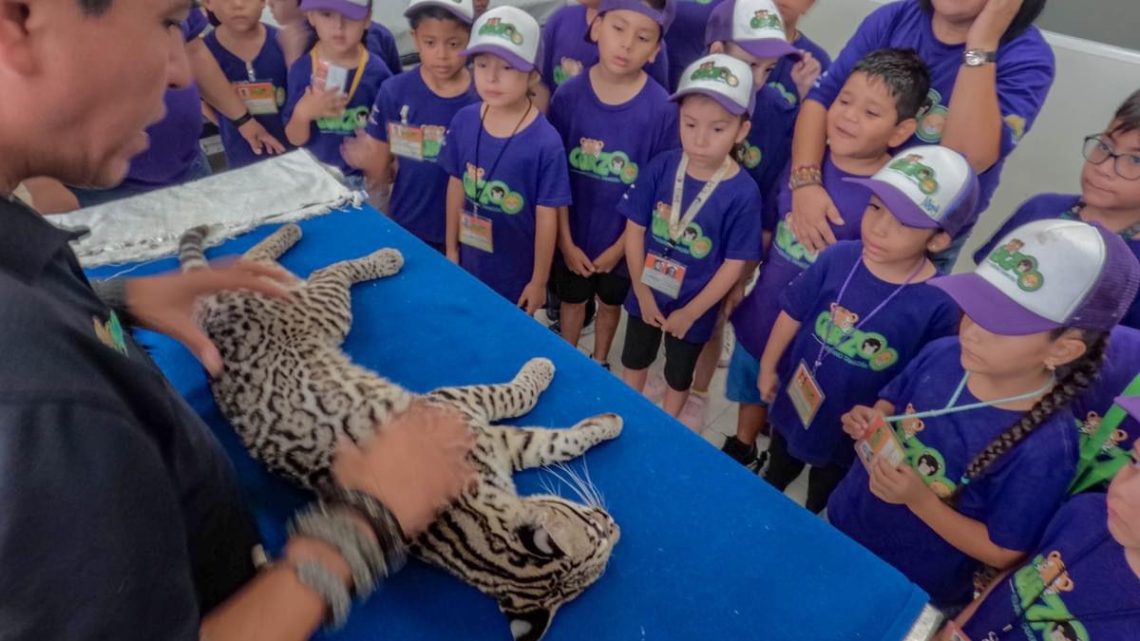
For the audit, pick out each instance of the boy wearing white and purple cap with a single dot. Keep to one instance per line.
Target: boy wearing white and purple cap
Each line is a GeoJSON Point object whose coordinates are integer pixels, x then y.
{"type": "Point", "coordinates": [507, 166]}
{"type": "Point", "coordinates": [983, 418]}
{"type": "Point", "coordinates": [332, 88]}
{"type": "Point", "coordinates": [569, 49]}
{"type": "Point", "coordinates": [410, 118]}
{"type": "Point", "coordinates": [613, 120]}
{"type": "Point", "coordinates": [860, 313]}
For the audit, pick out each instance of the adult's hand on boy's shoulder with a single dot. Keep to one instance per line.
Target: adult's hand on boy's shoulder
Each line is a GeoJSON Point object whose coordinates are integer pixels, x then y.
{"type": "Point", "coordinates": [813, 213]}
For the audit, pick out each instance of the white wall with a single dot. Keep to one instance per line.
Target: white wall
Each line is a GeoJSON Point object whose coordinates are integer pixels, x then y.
{"type": "Point", "coordinates": [1092, 80]}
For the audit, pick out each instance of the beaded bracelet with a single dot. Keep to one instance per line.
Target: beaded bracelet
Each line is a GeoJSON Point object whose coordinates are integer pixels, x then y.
{"type": "Point", "coordinates": [316, 576]}
{"type": "Point", "coordinates": [393, 542]}
{"type": "Point", "coordinates": [805, 176]}
{"type": "Point", "coordinates": [336, 528]}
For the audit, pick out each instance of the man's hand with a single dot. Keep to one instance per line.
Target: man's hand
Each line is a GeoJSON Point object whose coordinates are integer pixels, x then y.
{"type": "Point", "coordinates": [260, 140]}
{"type": "Point", "coordinates": [165, 303]}
{"type": "Point", "coordinates": [813, 213]}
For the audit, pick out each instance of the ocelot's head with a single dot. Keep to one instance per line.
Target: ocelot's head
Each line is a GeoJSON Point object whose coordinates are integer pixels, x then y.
{"type": "Point", "coordinates": [562, 547]}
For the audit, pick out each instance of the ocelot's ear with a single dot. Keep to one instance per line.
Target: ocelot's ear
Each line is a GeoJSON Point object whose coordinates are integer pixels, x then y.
{"type": "Point", "coordinates": [539, 541]}
{"type": "Point", "coordinates": [528, 625]}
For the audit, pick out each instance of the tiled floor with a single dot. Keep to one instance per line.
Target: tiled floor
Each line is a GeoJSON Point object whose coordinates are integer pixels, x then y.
{"type": "Point", "coordinates": [721, 418]}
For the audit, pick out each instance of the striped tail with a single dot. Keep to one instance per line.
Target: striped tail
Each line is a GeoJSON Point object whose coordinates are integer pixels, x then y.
{"type": "Point", "coordinates": [191, 253]}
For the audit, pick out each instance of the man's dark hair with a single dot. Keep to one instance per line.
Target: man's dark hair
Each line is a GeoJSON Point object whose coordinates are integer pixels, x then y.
{"type": "Point", "coordinates": [904, 73]}
{"type": "Point", "coordinates": [433, 12]}
{"type": "Point", "coordinates": [1127, 118]}
{"type": "Point", "coordinates": [94, 7]}
{"type": "Point", "coordinates": [1026, 16]}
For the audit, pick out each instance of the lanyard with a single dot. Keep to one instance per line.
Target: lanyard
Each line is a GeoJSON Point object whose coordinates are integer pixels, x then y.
{"type": "Point", "coordinates": [838, 299]}
{"type": "Point", "coordinates": [360, 65]}
{"type": "Point", "coordinates": [478, 138]}
{"type": "Point", "coordinates": [677, 225]}
{"type": "Point", "coordinates": [1128, 233]}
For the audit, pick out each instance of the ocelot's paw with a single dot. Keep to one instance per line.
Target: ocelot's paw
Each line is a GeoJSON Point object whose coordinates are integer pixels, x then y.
{"type": "Point", "coordinates": [387, 261]}
{"type": "Point", "coordinates": [539, 371]}
{"type": "Point", "coordinates": [608, 425]}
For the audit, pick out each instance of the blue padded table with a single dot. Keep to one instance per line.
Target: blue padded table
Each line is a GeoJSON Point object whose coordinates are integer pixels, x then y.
{"type": "Point", "coordinates": [708, 550]}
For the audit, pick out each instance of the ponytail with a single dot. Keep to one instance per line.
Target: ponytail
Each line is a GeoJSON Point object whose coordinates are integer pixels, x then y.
{"type": "Point", "coordinates": [1078, 376]}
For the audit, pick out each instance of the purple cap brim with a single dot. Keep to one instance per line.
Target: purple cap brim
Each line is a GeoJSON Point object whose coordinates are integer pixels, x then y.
{"type": "Point", "coordinates": [511, 57]}
{"type": "Point", "coordinates": [897, 202]}
{"type": "Point", "coordinates": [729, 106]}
{"type": "Point", "coordinates": [768, 48]}
{"type": "Point", "coordinates": [989, 307]}
{"type": "Point", "coordinates": [1130, 405]}
{"type": "Point", "coordinates": [442, 5]}
{"type": "Point", "coordinates": [346, 9]}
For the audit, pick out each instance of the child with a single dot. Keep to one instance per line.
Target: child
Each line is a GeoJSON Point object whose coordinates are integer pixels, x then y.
{"type": "Point", "coordinates": [320, 118]}
{"type": "Point", "coordinates": [685, 40]}
{"type": "Point", "coordinates": [691, 227]}
{"type": "Point", "coordinates": [507, 166]}
{"type": "Point", "coordinates": [983, 418]}
{"type": "Point", "coordinates": [1110, 189]}
{"type": "Point", "coordinates": [613, 121]}
{"type": "Point", "coordinates": [981, 49]}
{"type": "Point", "coordinates": [411, 116]}
{"type": "Point", "coordinates": [378, 39]}
{"type": "Point", "coordinates": [792, 78]}
{"type": "Point", "coordinates": [1083, 582]}
{"type": "Point", "coordinates": [250, 57]}
{"type": "Point", "coordinates": [570, 48]}
{"type": "Point", "coordinates": [875, 113]}
{"type": "Point", "coordinates": [860, 313]}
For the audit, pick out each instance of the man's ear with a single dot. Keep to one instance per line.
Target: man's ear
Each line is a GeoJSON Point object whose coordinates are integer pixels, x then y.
{"type": "Point", "coordinates": [16, 53]}
{"type": "Point", "coordinates": [903, 131]}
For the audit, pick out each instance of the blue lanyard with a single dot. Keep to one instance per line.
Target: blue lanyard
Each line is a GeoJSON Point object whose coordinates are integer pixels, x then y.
{"type": "Point", "coordinates": [1128, 233]}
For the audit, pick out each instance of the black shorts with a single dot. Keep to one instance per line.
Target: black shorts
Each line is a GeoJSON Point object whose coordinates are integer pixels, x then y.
{"type": "Point", "coordinates": [610, 288]}
{"type": "Point", "coordinates": [642, 341]}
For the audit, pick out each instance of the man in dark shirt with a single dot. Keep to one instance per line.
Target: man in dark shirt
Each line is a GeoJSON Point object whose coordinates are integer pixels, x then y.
{"type": "Point", "coordinates": [120, 517]}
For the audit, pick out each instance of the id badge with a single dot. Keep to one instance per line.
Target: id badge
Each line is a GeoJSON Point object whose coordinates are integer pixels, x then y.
{"type": "Point", "coordinates": [663, 275]}
{"type": "Point", "coordinates": [330, 77]}
{"type": "Point", "coordinates": [406, 141]}
{"type": "Point", "coordinates": [476, 231]}
{"type": "Point", "coordinates": [806, 394]}
{"type": "Point", "coordinates": [259, 97]}
{"type": "Point", "coordinates": [879, 442]}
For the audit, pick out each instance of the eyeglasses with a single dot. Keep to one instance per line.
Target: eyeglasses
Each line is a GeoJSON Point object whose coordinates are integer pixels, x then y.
{"type": "Point", "coordinates": [1097, 151]}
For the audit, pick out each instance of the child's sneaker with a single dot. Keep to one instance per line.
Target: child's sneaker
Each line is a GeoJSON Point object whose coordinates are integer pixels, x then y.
{"type": "Point", "coordinates": [744, 454]}
{"type": "Point", "coordinates": [727, 347]}
{"type": "Point", "coordinates": [695, 411]}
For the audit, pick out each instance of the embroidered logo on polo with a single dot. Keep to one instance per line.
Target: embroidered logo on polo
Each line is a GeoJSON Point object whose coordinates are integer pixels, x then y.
{"type": "Point", "coordinates": [110, 333]}
{"type": "Point", "coordinates": [1018, 266]}
{"type": "Point", "coordinates": [710, 71]}
{"type": "Point", "coordinates": [692, 240]}
{"type": "Point", "coordinates": [496, 193]}
{"type": "Point", "coordinates": [346, 123]}
{"type": "Point", "coordinates": [499, 29]}
{"type": "Point", "coordinates": [566, 69]}
{"type": "Point", "coordinates": [1039, 604]}
{"type": "Point", "coordinates": [932, 120]}
{"type": "Point", "coordinates": [792, 249]}
{"type": "Point", "coordinates": [764, 19]}
{"type": "Point", "coordinates": [835, 327]}
{"type": "Point", "coordinates": [613, 166]}
{"type": "Point", "coordinates": [1017, 126]}
{"type": "Point", "coordinates": [927, 461]}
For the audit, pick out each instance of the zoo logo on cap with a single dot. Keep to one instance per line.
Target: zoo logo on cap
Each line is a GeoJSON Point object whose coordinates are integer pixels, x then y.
{"type": "Point", "coordinates": [765, 19]}
{"type": "Point", "coordinates": [496, 27]}
{"type": "Point", "coordinates": [922, 175]}
{"type": "Point", "coordinates": [710, 71]}
{"type": "Point", "coordinates": [1016, 265]}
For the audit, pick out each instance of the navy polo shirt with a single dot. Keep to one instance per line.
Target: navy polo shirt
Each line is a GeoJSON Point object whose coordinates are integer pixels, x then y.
{"type": "Point", "coordinates": [120, 515]}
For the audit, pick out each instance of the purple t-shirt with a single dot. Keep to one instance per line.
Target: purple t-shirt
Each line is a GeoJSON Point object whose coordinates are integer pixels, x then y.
{"type": "Point", "coordinates": [1077, 587]}
{"type": "Point", "coordinates": [686, 36]}
{"type": "Point", "coordinates": [530, 172]}
{"type": "Point", "coordinates": [1025, 69]}
{"type": "Point", "coordinates": [267, 67]}
{"type": "Point", "coordinates": [862, 351]}
{"type": "Point", "coordinates": [787, 258]}
{"type": "Point", "coordinates": [781, 77]}
{"type": "Point", "coordinates": [769, 142]}
{"type": "Point", "coordinates": [1015, 498]}
{"type": "Point", "coordinates": [566, 52]}
{"type": "Point", "coordinates": [726, 228]}
{"type": "Point", "coordinates": [1121, 365]}
{"type": "Point", "coordinates": [327, 134]}
{"type": "Point", "coordinates": [173, 149]}
{"type": "Point", "coordinates": [607, 146]}
{"type": "Point", "coordinates": [419, 193]}
{"type": "Point", "coordinates": [1063, 206]}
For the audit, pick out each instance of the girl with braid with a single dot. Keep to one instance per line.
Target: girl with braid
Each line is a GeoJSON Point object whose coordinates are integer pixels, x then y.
{"type": "Point", "coordinates": [995, 404]}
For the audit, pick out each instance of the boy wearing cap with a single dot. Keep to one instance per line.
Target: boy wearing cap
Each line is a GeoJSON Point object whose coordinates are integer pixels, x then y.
{"type": "Point", "coordinates": [569, 48]}
{"type": "Point", "coordinates": [984, 418]}
{"type": "Point", "coordinates": [507, 166]}
{"type": "Point", "coordinates": [856, 317]}
{"type": "Point", "coordinates": [331, 90]}
{"type": "Point", "coordinates": [794, 78]}
{"type": "Point", "coordinates": [297, 36]}
{"type": "Point", "coordinates": [876, 112]}
{"type": "Point", "coordinates": [410, 118]}
{"type": "Point", "coordinates": [613, 120]}
{"type": "Point", "coordinates": [692, 227]}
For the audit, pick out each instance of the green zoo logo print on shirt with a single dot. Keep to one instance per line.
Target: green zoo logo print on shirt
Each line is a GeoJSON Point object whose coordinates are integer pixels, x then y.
{"type": "Point", "coordinates": [347, 123]}
{"type": "Point", "coordinates": [613, 166]}
{"type": "Point", "coordinates": [1010, 261]}
{"type": "Point", "coordinates": [692, 240]}
{"type": "Point", "coordinates": [495, 193]}
{"type": "Point", "coordinates": [791, 248]}
{"type": "Point", "coordinates": [927, 461]}
{"type": "Point", "coordinates": [932, 120]}
{"type": "Point", "coordinates": [836, 328]}
{"type": "Point", "coordinates": [1038, 588]}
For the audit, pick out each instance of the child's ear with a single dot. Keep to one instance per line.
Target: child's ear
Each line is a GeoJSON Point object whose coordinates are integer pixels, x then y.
{"type": "Point", "coordinates": [745, 127]}
{"type": "Point", "coordinates": [716, 47]}
{"type": "Point", "coordinates": [939, 243]}
{"type": "Point", "coordinates": [1065, 349]}
{"type": "Point", "coordinates": [595, 29]}
{"type": "Point", "coordinates": [903, 131]}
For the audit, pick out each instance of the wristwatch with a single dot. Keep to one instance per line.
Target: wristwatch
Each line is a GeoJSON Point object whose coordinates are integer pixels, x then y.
{"type": "Point", "coordinates": [978, 57]}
